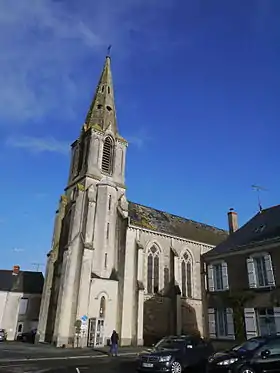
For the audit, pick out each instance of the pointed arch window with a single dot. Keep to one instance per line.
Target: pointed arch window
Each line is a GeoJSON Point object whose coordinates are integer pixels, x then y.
{"type": "Point", "coordinates": [153, 271]}
{"type": "Point", "coordinates": [102, 308]}
{"type": "Point", "coordinates": [107, 156]}
{"type": "Point", "coordinates": [186, 271]}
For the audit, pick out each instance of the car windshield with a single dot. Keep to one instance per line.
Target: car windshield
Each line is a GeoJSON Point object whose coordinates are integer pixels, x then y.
{"type": "Point", "coordinates": [2, 332]}
{"type": "Point", "coordinates": [173, 343]}
{"type": "Point", "coordinates": [249, 345]}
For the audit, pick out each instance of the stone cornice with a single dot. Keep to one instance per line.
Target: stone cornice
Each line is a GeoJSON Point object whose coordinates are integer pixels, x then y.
{"type": "Point", "coordinates": [185, 240]}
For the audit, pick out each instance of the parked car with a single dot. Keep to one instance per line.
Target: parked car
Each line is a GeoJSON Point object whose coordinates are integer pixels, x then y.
{"type": "Point", "coordinates": [257, 355]}
{"type": "Point", "coordinates": [174, 354]}
{"type": "Point", "coordinates": [3, 335]}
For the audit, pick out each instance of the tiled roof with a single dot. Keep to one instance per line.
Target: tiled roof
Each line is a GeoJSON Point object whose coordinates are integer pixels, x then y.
{"type": "Point", "coordinates": [25, 282]}
{"type": "Point", "coordinates": [263, 227]}
{"type": "Point", "coordinates": [160, 221]}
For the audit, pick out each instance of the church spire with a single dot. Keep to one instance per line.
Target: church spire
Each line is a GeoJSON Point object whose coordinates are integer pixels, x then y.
{"type": "Point", "coordinates": [102, 112]}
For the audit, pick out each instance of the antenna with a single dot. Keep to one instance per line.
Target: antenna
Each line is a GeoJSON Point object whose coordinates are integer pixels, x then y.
{"type": "Point", "coordinates": [259, 189]}
{"type": "Point", "coordinates": [37, 266]}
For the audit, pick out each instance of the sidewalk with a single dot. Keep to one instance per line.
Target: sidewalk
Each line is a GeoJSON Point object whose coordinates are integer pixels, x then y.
{"type": "Point", "coordinates": [23, 351]}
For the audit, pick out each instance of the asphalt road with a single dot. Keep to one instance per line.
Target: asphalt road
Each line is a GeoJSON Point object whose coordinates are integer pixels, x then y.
{"type": "Point", "coordinates": [99, 364]}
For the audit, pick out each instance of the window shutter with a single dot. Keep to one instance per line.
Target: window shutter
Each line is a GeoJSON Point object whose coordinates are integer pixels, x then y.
{"type": "Point", "coordinates": [269, 270]}
{"type": "Point", "coordinates": [251, 273]}
{"type": "Point", "coordinates": [230, 324]}
{"type": "Point", "coordinates": [250, 322]}
{"type": "Point", "coordinates": [225, 275]}
{"type": "Point", "coordinates": [210, 271]}
{"type": "Point", "coordinates": [212, 323]}
{"type": "Point", "coordinates": [277, 318]}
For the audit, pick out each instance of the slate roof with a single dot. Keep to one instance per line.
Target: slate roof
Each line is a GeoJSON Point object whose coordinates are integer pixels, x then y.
{"type": "Point", "coordinates": [25, 282]}
{"type": "Point", "coordinates": [160, 221]}
{"type": "Point", "coordinates": [262, 228]}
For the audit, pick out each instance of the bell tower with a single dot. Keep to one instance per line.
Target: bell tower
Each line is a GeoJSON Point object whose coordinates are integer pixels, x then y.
{"type": "Point", "coordinates": [95, 204]}
{"type": "Point", "coordinates": [100, 150]}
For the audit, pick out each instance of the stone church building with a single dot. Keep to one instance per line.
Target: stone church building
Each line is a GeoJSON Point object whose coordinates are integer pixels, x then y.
{"type": "Point", "coordinates": [115, 264]}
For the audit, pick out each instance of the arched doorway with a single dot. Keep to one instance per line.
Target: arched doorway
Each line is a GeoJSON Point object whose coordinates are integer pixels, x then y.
{"type": "Point", "coordinates": [96, 326]}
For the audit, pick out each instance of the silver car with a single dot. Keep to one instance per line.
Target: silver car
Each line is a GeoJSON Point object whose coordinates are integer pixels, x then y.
{"type": "Point", "coordinates": [2, 335]}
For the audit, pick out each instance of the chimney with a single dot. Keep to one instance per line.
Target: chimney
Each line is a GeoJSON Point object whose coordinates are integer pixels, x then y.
{"type": "Point", "coordinates": [16, 270]}
{"type": "Point", "coordinates": [232, 221]}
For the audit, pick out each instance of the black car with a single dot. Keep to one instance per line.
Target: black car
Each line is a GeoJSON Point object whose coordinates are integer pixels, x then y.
{"type": "Point", "coordinates": [174, 354]}
{"type": "Point", "coordinates": [256, 355]}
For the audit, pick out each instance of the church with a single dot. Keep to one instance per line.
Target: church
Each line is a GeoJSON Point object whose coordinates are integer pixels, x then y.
{"type": "Point", "coordinates": [115, 264]}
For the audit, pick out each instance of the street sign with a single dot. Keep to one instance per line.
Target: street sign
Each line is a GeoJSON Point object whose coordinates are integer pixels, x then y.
{"type": "Point", "coordinates": [84, 318]}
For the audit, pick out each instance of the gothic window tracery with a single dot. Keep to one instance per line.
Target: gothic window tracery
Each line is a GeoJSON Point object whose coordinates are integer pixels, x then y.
{"type": "Point", "coordinates": [107, 156]}
{"type": "Point", "coordinates": [186, 272]}
{"type": "Point", "coordinates": [153, 271]}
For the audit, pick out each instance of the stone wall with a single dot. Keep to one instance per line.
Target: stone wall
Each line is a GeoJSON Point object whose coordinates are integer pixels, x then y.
{"type": "Point", "coordinates": [158, 318]}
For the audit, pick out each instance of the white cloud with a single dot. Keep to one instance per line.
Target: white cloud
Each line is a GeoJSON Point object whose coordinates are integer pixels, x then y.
{"type": "Point", "coordinates": [18, 250]}
{"type": "Point", "coordinates": [44, 42]}
{"type": "Point", "coordinates": [39, 145]}
{"type": "Point", "coordinates": [139, 139]}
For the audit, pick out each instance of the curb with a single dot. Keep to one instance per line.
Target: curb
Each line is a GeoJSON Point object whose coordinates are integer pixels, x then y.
{"type": "Point", "coordinates": [65, 358]}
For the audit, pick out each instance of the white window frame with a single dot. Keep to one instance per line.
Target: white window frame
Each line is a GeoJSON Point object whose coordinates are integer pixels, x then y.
{"type": "Point", "coordinates": [229, 323]}
{"type": "Point", "coordinates": [252, 271]}
{"type": "Point", "coordinates": [212, 283]}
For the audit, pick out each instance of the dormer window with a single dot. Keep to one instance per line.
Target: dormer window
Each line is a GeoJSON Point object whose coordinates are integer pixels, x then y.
{"type": "Point", "coordinates": [109, 108]}
{"type": "Point", "coordinates": [109, 90]}
{"type": "Point", "coordinates": [99, 106]}
{"type": "Point", "coordinates": [107, 157]}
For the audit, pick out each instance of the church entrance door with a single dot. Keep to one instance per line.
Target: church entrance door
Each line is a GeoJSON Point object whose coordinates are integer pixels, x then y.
{"type": "Point", "coordinates": [96, 332]}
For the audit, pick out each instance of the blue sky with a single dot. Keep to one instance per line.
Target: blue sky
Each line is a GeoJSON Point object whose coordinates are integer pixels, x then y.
{"type": "Point", "coordinates": [197, 89]}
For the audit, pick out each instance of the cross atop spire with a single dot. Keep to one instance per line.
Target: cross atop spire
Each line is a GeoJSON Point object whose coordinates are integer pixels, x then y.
{"type": "Point", "coordinates": [102, 112]}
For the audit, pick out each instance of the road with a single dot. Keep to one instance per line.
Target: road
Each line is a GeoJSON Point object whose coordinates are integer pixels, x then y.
{"type": "Point", "coordinates": [98, 364]}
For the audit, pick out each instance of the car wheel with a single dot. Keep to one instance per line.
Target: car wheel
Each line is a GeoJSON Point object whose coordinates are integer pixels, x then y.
{"type": "Point", "coordinates": [246, 369]}
{"type": "Point", "coordinates": [176, 367]}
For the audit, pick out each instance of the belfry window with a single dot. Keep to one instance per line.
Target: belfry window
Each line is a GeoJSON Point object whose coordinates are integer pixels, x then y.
{"type": "Point", "coordinates": [107, 157]}
{"type": "Point", "coordinates": [153, 271]}
{"type": "Point", "coordinates": [186, 272]}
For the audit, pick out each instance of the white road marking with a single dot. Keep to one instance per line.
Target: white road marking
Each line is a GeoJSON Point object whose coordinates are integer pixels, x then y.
{"type": "Point", "coordinates": [78, 370]}
{"type": "Point", "coordinates": [65, 358]}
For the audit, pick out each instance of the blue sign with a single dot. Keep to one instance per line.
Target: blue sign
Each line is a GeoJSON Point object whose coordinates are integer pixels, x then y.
{"type": "Point", "coordinates": [84, 318]}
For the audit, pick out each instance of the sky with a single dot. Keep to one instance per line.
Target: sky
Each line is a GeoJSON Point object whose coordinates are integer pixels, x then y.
{"type": "Point", "coordinates": [197, 90]}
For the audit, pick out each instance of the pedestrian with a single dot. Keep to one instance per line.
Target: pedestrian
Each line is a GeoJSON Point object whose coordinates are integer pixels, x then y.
{"type": "Point", "coordinates": [114, 343]}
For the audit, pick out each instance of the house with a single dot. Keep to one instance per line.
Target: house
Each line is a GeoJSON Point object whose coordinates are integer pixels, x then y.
{"type": "Point", "coordinates": [243, 279]}
{"type": "Point", "coordinates": [20, 298]}
{"type": "Point", "coordinates": [114, 263]}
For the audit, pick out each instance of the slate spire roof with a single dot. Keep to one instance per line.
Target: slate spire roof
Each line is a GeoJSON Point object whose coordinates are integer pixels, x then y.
{"type": "Point", "coordinates": [264, 227]}
{"type": "Point", "coordinates": [102, 111]}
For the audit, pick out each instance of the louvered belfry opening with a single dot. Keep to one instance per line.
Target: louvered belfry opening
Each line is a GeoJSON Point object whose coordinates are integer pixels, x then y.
{"type": "Point", "coordinates": [107, 158]}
